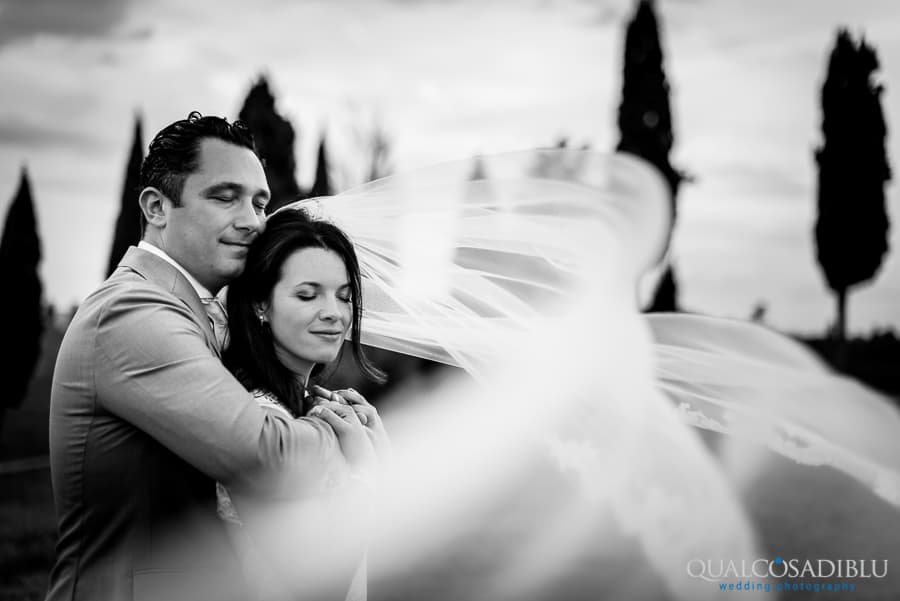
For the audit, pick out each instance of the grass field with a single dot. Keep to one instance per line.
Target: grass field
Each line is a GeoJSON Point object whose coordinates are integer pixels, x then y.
{"type": "Point", "coordinates": [27, 518]}
{"type": "Point", "coordinates": [27, 534]}
{"type": "Point", "coordinates": [848, 527]}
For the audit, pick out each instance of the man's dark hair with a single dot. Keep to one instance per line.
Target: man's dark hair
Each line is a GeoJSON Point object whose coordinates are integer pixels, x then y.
{"type": "Point", "coordinates": [174, 152]}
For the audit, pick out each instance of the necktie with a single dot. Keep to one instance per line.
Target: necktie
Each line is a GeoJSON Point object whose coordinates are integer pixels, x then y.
{"type": "Point", "coordinates": [219, 320]}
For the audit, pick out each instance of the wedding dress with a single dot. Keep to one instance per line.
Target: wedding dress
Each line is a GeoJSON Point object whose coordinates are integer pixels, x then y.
{"type": "Point", "coordinates": [583, 449]}
{"type": "Point", "coordinates": [257, 555]}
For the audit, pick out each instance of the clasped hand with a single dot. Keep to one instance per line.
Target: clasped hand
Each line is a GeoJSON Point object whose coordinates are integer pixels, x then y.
{"type": "Point", "coordinates": [358, 426]}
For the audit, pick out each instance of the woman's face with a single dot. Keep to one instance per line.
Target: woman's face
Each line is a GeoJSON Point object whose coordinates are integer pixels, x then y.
{"type": "Point", "coordinates": [309, 311]}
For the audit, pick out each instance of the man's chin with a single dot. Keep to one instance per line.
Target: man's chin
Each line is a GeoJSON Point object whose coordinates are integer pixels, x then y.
{"type": "Point", "coordinates": [231, 270]}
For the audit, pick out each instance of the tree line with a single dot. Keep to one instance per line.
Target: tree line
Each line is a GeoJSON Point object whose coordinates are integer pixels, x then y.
{"type": "Point", "coordinates": [850, 234]}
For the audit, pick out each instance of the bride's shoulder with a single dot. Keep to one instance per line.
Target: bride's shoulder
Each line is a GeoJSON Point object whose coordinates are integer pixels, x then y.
{"type": "Point", "coordinates": [267, 399]}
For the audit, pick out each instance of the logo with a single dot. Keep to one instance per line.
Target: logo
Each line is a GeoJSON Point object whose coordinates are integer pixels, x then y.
{"type": "Point", "coordinates": [793, 574]}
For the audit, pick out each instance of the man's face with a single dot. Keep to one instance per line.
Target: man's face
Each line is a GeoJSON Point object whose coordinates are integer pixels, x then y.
{"type": "Point", "coordinates": [221, 213]}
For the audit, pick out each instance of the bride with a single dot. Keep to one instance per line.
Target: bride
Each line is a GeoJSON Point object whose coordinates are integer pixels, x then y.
{"type": "Point", "coordinates": [290, 311]}
{"type": "Point", "coordinates": [584, 450]}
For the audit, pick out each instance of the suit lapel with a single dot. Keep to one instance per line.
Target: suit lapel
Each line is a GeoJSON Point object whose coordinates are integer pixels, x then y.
{"type": "Point", "coordinates": [160, 272]}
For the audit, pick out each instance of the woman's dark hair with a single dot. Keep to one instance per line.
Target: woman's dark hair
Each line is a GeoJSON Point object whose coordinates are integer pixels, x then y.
{"type": "Point", "coordinates": [251, 353]}
{"type": "Point", "coordinates": [174, 152]}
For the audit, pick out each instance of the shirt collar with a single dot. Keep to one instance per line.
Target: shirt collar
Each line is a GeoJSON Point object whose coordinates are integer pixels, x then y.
{"type": "Point", "coordinates": [199, 288]}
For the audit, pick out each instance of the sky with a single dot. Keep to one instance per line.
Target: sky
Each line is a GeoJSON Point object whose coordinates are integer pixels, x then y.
{"type": "Point", "coordinates": [449, 79]}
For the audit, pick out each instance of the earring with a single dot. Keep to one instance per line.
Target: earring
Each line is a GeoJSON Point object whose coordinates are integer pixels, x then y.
{"type": "Point", "coordinates": [262, 318]}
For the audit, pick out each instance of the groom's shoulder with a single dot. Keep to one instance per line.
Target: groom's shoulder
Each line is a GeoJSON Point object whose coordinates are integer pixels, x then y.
{"type": "Point", "coordinates": [128, 292]}
{"type": "Point", "coordinates": [124, 286]}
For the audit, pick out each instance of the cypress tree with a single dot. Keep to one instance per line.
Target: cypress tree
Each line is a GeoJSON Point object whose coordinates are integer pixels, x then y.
{"type": "Point", "coordinates": [645, 121]}
{"type": "Point", "coordinates": [322, 184]}
{"type": "Point", "coordinates": [664, 299]}
{"type": "Point", "coordinates": [21, 304]}
{"type": "Point", "coordinates": [129, 223]}
{"type": "Point", "coordinates": [479, 171]}
{"type": "Point", "coordinates": [274, 137]}
{"type": "Point", "coordinates": [380, 144]}
{"type": "Point", "coordinates": [852, 225]}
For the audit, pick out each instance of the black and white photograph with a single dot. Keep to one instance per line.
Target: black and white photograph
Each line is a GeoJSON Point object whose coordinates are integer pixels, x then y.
{"type": "Point", "coordinates": [449, 300]}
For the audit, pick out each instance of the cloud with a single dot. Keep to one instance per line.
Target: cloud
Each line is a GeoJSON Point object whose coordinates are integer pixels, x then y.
{"type": "Point", "coordinates": [23, 19]}
{"type": "Point", "coordinates": [19, 134]}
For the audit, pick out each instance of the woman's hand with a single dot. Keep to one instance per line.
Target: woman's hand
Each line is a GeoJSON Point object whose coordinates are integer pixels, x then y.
{"type": "Point", "coordinates": [365, 411]}
{"type": "Point", "coordinates": [372, 420]}
{"type": "Point", "coordinates": [353, 437]}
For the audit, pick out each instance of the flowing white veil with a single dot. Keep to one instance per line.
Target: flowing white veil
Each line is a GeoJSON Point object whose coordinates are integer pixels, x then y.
{"type": "Point", "coordinates": [561, 466]}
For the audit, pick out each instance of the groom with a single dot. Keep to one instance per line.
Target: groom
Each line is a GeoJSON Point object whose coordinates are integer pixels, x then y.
{"type": "Point", "coordinates": [144, 418]}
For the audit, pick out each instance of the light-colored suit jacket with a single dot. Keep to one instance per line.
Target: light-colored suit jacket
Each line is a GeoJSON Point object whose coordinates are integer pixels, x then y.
{"type": "Point", "coordinates": [144, 420]}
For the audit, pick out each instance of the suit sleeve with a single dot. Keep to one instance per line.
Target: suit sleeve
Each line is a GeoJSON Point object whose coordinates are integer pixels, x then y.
{"type": "Point", "coordinates": [155, 371]}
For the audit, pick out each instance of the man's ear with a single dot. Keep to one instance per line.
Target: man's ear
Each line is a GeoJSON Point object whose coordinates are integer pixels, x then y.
{"type": "Point", "coordinates": [154, 205]}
